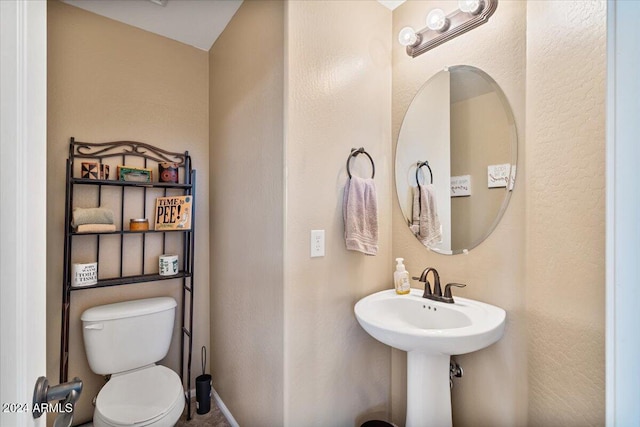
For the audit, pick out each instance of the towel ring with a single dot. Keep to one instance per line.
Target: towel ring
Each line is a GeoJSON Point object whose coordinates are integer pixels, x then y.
{"type": "Point", "coordinates": [354, 153]}
{"type": "Point", "coordinates": [421, 164]}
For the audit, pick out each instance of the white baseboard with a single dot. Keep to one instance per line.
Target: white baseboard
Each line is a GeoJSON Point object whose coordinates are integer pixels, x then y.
{"type": "Point", "coordinates": [223, 408]}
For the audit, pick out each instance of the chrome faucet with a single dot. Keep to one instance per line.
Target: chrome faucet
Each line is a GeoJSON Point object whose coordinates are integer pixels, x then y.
{"type": "Point", "coordinates": [436, 295]}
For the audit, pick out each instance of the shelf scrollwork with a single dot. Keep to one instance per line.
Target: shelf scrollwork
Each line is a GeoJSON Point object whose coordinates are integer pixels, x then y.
{"type": "Point", "coordinates": [102, 150]}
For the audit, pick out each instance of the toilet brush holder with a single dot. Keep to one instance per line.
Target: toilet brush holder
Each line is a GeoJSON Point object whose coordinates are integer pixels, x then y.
{"type": "Point", "coordinates": [203, 387]}
{"type": "Point", "coordinates": [203, 393]}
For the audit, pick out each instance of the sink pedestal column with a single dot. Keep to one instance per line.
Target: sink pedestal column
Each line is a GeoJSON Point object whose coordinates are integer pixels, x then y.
{"type": "Point", "coordinates": [428, 392]}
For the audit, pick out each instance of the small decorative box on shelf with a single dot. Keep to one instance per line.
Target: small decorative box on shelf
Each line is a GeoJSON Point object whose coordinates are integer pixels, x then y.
{"type": "Point", "coordinates": [131, 174]}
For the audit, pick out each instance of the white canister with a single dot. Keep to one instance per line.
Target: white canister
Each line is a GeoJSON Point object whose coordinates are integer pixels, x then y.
{"type": "Point", "coordinates": [168, 265]}
{"type": "Point", "coordinates": [85, 274]}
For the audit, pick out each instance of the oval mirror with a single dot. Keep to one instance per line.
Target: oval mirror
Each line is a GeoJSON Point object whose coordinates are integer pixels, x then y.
{"type": "Point", "coordinates": [456, 160]}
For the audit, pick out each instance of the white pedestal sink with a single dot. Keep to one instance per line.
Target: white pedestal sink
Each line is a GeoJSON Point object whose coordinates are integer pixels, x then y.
{"type": "Point", "coordinates": [430, 332]}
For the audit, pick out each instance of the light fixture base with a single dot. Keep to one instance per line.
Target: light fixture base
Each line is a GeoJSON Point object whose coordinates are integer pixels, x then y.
{"type": "Point", "coordinates": [459, 23]}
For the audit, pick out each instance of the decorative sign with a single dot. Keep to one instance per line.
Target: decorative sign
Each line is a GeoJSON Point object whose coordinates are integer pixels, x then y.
{"type": "Point", "coordinates": [173, 213]}
{"type": "Point", "coordinates": [498, 175]}
{"type": "Point", "coordinates": [85, 274]}
{"type": "Point", "coordinates": [461, 186]}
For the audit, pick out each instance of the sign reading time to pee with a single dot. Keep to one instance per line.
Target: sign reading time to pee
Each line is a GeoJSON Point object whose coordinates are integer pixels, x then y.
{"type": "Point", "coordinates": [173, 213]}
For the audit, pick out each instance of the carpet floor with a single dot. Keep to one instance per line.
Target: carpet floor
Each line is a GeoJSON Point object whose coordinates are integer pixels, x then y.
{"type": "Point", "coordinates": [213, 418]}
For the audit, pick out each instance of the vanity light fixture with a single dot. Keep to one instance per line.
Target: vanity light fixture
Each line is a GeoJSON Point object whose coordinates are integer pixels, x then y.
{"type": "Point", "coordinates": [441, 28]}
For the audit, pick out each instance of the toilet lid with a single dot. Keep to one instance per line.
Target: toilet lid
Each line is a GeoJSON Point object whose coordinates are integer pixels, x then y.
{"type": "Point", "coordinates": [139, 396]}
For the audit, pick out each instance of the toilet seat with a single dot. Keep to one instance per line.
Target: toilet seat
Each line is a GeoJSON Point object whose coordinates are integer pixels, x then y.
{"type": "Point", "coordinates": [150, 396]}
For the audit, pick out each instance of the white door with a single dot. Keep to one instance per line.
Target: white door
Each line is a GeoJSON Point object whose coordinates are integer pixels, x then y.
{"type": "Point", "coordinates": [623, 214]}
{"type": "Point", "coordinates": [23, 151]}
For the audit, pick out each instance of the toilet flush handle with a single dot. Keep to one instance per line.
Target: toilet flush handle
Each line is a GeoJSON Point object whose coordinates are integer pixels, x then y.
{"type": "Point", "coordinates": [98, 326]}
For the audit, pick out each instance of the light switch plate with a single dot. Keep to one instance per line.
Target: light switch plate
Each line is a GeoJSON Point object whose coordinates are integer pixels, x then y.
{"type": "Point", "coordinates": [317, 243]}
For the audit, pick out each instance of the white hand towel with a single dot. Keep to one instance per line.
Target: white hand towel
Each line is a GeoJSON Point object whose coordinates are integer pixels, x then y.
{"type": "Point", "coordinates": [360, 213]}
{"type": "Point", "coordinates": [414, 225]}
{"type": "Point", "coordinates": [430, 230]}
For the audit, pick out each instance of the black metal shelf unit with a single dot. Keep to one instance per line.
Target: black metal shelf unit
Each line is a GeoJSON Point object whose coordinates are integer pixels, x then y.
{"type": "Point", "coordinates": [145, 156]}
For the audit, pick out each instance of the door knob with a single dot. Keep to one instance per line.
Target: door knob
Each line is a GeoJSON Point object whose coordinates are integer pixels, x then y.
{"type": "Point", "coordinates": [68, 393]}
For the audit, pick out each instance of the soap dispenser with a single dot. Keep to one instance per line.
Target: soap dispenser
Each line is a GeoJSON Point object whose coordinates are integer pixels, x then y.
{"type": "Point", "coordinates": [401, 278]}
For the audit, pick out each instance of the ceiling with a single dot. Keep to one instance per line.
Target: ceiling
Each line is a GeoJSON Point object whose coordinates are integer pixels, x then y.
{"type": "Point", "coordinates": [391, 4]}
{"type": "Point", "coordinates": [197, 23]}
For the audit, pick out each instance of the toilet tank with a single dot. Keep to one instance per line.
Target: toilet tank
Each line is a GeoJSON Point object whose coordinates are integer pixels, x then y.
{"type": "Point", "coordinates": [128, 335]}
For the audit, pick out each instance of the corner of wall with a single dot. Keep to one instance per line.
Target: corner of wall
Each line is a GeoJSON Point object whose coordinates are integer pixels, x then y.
{"type": "Point", "coordinates": [246, 78]}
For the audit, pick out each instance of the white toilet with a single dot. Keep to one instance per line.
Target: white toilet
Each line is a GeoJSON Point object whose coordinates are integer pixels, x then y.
{"type": "Point", "coordinates": [125, 340]}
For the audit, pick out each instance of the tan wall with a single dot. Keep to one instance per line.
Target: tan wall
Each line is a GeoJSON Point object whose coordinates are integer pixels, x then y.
{"type": "Point", "coordinates": [106, 82]}
{"type": "Point", "coordinates": [247, 213]}
{"type": "Point", "coordinates": [480, 136]}
{"type": "Point", "coordinates": [493, 391]}
{"type": "Point", "coordinates": [566, 64]}
{"type": "Point", "coordinates": [338, 97]}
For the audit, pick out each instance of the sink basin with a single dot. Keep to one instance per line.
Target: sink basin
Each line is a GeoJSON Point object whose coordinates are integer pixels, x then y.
{"type": "Point", "coordinates": [410, 322]}
{"type": "Point", "coordinates": [430, 332]}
